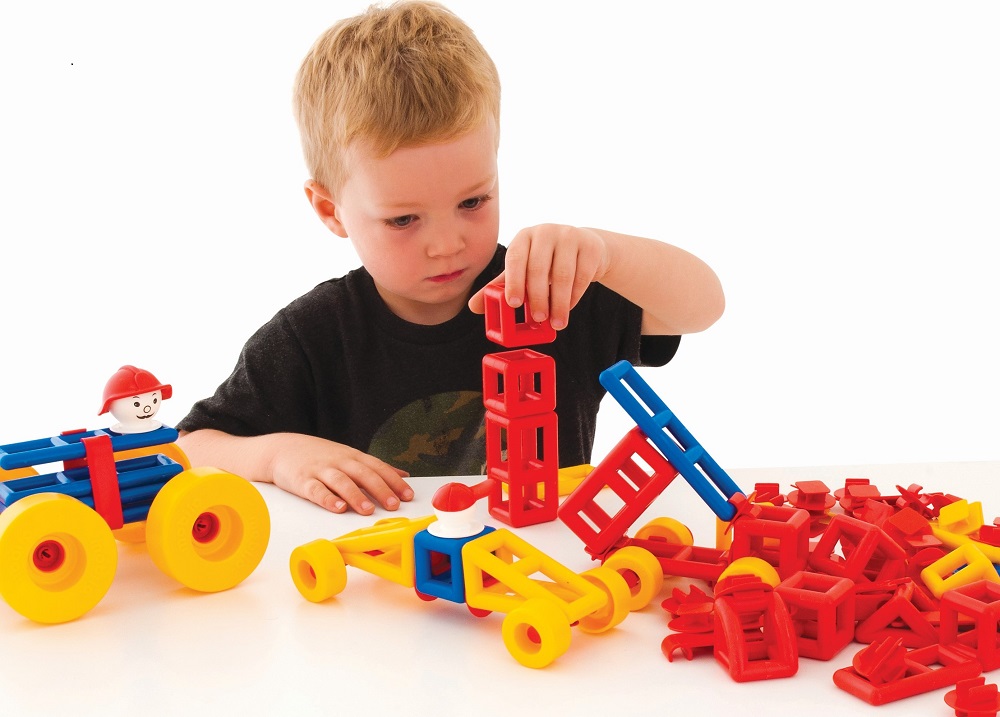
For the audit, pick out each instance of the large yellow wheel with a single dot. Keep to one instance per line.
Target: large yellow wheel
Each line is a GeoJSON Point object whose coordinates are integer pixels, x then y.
{"type": "Point", "coordinates": [668, 529]}
{"type": "Point", "coordinates": [57, 557]}
{"type": "Point", "coordinates": [136, 532]}
{"type": "Point", "coordinates": [208, 529]}
{"type": "Point", "coordinates": [536, 632]}
{"type": "Point", "coordinates": [318, 570]}
{"type": "Point", "coordinates": [642, 573]}
{"type": "Point", "coordinates": [615, 609]}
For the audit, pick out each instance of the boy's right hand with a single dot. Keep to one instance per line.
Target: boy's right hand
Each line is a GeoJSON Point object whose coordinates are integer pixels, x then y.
{"type": "Point", "coordinates": [335, 476]}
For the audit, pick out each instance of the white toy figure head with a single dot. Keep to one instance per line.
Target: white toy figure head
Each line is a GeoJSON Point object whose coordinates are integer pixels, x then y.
{"type": "Point", "coordinates": [134, 396]}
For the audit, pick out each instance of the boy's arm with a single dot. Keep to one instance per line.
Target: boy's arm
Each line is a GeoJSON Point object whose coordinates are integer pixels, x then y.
{"type": "Point", "coordinates": [550, 266]}
{"type": "Point", "coordinates": [332, 475]}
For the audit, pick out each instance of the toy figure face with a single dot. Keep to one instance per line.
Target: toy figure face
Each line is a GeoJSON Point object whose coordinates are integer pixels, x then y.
{"type": "Point", "coordinates": [424, 221]}
{"type": "Point", "coordinates": [135, 413]}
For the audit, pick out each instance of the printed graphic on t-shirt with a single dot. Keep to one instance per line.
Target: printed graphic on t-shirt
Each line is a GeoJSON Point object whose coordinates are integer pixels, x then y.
{"type": "Point", "coordinates": [441, 435]}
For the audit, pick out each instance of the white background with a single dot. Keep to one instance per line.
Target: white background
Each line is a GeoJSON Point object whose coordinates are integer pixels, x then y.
{"type": "Point", "coordinates": [838, 164]}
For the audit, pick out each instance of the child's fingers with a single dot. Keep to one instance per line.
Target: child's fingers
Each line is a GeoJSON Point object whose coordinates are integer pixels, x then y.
{"type": "Point", "coordinates": [316, 491]}
{"type": "Point", "coordinates": [477, 304]}
{"type": "Point", "coordinates": [537, 277]}
{"type": "Point", "coordinates": [564, 275]}
{"type": "Point", "coordinates": [342, 484]}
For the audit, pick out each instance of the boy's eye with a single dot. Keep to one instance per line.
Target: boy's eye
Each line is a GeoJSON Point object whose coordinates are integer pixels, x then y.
{"type": "Point", "coordinates": [401, 222]}
{"type": "Point", "coordinates": [474, 202]}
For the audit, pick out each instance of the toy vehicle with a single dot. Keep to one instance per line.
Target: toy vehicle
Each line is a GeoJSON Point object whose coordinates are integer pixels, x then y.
{"type": "Point", "coordinates": [205, 527]}
{"type": "Point", "coordinates": [489, 570]}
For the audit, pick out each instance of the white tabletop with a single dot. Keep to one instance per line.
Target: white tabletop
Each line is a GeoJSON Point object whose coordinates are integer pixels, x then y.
{"type": "Point", "coordinates": [152, 647]}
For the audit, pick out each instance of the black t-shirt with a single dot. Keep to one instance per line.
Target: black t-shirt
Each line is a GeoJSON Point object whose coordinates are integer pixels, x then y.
{"type": "Point", "coordinates": [338, 364]}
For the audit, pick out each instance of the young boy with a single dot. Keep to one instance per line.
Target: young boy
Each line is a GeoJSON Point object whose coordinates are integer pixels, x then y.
{"type": "Point", "coordinates": [376, 376]}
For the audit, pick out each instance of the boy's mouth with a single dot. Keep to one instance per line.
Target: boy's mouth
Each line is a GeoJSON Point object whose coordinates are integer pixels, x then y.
{"type": "Point", "coordinates": [444, 278]}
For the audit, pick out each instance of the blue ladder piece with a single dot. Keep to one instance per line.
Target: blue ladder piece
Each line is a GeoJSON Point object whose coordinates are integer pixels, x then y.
{"type": "Point", "coordinates": [69, 447]}
{"type": "Point", "coordinates": [682, 450]}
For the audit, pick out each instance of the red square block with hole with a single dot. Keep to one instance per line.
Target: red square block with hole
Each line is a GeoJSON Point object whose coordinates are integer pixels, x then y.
{"type": "Point", "coordinates": [822, 608]}
{"type": "Point", "coordinates": [636, 472]}
{"type": "Point", "coordinates": [519, 383]}
{"type": "Point", "coordinates": [980, 602]}
{"type": "Point", "coordinates": [870, 554]}
{"type": "Point", "coordinates": [505, 328]}
{"type": "Point", "coordinates": [778, 535]}
{"type": "Point", "coordinates": [523, 454]}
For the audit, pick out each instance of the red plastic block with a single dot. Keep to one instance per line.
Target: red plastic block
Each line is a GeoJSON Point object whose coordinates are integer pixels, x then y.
{"type": "Point", "coordinates": [686, 561]}
{"type": "Point", "coordinates": [778, 535]}
{"type": "Point", "coordinates": [811, 495]}
{"type": "Point", "coordinates": [904, 617]}
{"type": "Point", "coordinates": [636, 485]}
{"type": "Point", "coordinates": [822, 608]}
{"type": "Point", "coordinates": [990, 534]}
{"type": "Point", "coordinates": [974, 698]}
{"type": "Point", "coordinates": [503, 327]}
{"type": "Point", "coordinates": [519, 383]}
{"type": "Point", "coordinates": [104, 479]}
{"type": "Point", "coordinates": [895, 674]}
{"type": "Point", "coordinates": [871, 554]}
{"type": "Point", "coordinates": [979, 601]}
{"type": "Point", "coordinates": [754, 635]}
{"type": "Point", "coordinates": [768, 493]}
{"type": "Point", "coordinates": [523, 454]}
{"type": "Point", "coordinates": [911, 530]}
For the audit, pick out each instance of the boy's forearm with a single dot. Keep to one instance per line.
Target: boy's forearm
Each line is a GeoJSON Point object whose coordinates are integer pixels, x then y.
{"type": "Point", "coordinates": [249, 457]}
{"type": "Point", "coordinates": [678, 292]}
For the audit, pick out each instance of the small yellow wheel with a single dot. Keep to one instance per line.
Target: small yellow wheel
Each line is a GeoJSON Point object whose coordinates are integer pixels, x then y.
{"type": "Point", "coordinates": [536, 632]}
{"type": "Point", "coordinates": [668, 529]}
{"type": "Point", "coordinates": [318, 570]}
{"type": "Point", "coordinates": [616, 608]}
{"type": "Point", "coordinates": [642, 573]}
{"type": "Point", "coordinates": [57, 557]}
{"type": "Point", "coordinates": [208, 529]}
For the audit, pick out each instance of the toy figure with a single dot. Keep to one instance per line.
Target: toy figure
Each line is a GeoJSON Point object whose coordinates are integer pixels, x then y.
{"type": "Point", "coordinates": [133, 396]}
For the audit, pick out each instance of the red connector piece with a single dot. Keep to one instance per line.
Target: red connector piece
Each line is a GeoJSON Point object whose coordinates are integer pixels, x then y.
{"type": "Point", "coordinates": [777, 535]}
{"type": "Point", "coordinates": [974, 698]}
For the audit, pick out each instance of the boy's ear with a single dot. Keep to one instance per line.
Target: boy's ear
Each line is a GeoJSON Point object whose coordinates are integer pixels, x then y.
{"type": "Point", "coordinates": [322, 203]}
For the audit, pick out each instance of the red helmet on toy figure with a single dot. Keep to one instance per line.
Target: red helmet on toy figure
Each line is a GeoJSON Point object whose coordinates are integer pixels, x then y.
{"type": "Point", "coordinates": [130, 381]}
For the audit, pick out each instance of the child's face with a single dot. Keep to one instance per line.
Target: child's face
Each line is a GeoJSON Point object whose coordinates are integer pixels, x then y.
{"type": "Point", "coordinates": [424, 221]}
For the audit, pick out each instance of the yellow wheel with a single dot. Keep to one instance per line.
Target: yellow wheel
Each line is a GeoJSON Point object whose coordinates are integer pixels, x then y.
{"type": "Point", "coordinates": [668, 529]}
{"type": "Point", "coordinates": [536, 632]}
{"type": "Point", "coordinates": [207, 529]}
{"type": "Point", "coordinates": [318, 570]}
{"type": "Point", "coordinates": [131, 533]}
{"type": "Point", "coordinates": [616, 608]}
{"type": "Point", "coordinates": [642, 573]}
{"type": "Point", "coordinates": [752, 566]}
{"type": "Point", "coordinates": [57, 557]}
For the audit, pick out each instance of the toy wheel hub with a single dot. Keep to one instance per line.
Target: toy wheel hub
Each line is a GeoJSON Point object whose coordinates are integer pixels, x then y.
{"type": "Point", "coordinates": [49, 556]}
{"type": "Point", "coordinates": [205, 528]}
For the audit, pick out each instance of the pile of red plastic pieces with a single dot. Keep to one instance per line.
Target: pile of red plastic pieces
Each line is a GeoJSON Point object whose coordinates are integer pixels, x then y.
{"type": "Point", "coordinates": [912, 575]}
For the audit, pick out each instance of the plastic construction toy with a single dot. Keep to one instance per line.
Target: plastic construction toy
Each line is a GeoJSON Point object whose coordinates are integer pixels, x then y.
{"type": "Point", "coordinates": [452, 556]}
{"type": "Point", "coordinates": [638, 470]}
{"type": "Point", "coordinates": [519, 392]}
{"type": "Point", "coordinates": [206, 528]}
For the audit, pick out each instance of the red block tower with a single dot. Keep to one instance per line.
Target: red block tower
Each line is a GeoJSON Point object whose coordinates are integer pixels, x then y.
{"type": "Point", "coordinates": [519, 392]}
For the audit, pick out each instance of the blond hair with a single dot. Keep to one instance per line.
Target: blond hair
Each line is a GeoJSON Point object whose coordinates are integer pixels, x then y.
{"type": "Point", "coordinates": [409, 74]}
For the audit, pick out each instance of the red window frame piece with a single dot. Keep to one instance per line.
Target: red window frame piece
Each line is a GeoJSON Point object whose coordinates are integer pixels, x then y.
{"type": "Point", "coordinates": [519, 371]}
{"type": "Point", "coordinates": [974, 698]}
{"type": "Point", "coordinates": [822, 608]}
{"type": "Point", "coordinates": [779, 535]}
{"type": "Point", "coordinates": [979, 601]}
{"type": "Point", "coordinates": [631, 483]}
{"type": "Point", "coordinates": [872, 551]}
{"type": "Point", "coordinates": [754, 635]}
{"type": "Point", "coordinates": [502, 326]}
{"type": "Point", "coordinates": [918, 673]}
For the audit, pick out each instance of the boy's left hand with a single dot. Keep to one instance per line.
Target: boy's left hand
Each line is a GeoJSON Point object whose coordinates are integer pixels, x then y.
{"type": "Point", "coordinates": [549, 267]}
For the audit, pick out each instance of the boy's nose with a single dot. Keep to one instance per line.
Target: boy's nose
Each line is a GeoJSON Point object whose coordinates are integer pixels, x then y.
{"type": "Point", "coordinates": [445, 243]}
